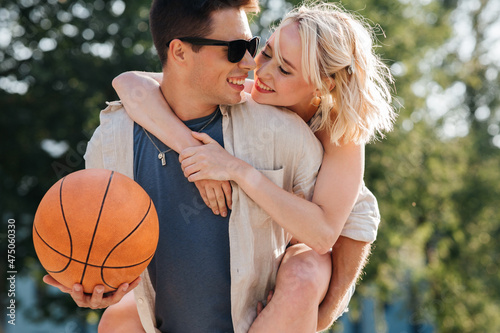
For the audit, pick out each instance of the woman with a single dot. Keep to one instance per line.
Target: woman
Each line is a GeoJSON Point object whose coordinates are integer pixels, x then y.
{"type": "Point", "coordinates": [319, 63]}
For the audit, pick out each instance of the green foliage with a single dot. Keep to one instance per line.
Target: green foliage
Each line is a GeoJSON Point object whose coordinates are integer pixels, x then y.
{"type": "Point", "coordinates": [62, 51]}
{"type": "Point", "coordinates": [438, 194]}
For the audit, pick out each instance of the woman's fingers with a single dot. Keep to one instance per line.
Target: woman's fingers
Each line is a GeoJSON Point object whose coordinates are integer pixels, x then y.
{"type": "Point", "coordinates": [188, 152]}
{"type": "Point", "coordinates": [203, 137]}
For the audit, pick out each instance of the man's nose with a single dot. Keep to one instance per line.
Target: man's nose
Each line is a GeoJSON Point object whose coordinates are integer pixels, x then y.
{"type": "Point", "coordinates": [247, 63]}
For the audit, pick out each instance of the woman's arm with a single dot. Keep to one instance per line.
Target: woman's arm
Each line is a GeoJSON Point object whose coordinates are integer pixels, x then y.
{"type": "Point", "coordinates": [143, 100]}
{"type": "Point", "coordinates": [140, 91]}
{"type": "Point", "coordinates": [319, 223]}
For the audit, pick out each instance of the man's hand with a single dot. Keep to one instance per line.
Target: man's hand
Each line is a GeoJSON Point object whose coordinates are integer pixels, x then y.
{"type": "Point", "coordinates": [261, 305]}
{"type": "Point", "coordinates": [216, 194]}
{"type": "Point", "coordinates": [97, 300]}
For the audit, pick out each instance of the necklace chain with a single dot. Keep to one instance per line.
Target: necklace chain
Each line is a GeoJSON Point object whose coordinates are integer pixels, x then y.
{"type": "Point", "coordinates": [161, 154]}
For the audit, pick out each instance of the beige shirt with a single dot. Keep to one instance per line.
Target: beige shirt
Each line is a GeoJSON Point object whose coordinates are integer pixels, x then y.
{"type": "Point", "coordinates": [279, 144]}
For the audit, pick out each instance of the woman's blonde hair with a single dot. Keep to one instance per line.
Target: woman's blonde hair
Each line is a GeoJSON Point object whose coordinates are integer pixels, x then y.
{"type": "Point", "coordinates": [337, 46]}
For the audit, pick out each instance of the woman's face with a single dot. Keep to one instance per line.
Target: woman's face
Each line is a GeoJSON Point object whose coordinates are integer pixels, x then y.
{"type": "Point", "coordinates": [283, 84]}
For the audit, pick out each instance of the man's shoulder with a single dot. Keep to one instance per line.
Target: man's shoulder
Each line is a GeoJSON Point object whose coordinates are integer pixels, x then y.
{"type": "Point", "coordinates": [265, 108]}
{"type": "Point", "coordinates": [113, 109]}
{"type": "Point", "coordinates": [258, 125]}
{"type": "Point", "coordinates": [111, 145]}
{"type": "Point", "coordinates": [269, 114]}
{"type": "Point", "coordinates": [112, 120]}
{"type": "Point", "coordinates": [114, 114]}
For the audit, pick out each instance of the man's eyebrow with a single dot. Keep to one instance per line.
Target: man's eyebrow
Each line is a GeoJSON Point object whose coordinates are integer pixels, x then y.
{"type": "Point", "coordinates": [284, 60]}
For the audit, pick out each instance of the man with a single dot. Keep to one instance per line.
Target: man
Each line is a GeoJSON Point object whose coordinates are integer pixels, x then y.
{"type": "Point", "coordinates": [207, 276]}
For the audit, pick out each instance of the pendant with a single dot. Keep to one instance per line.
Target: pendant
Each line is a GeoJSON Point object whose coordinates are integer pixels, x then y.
{"type": "Point", "coordinates": [161, 156]}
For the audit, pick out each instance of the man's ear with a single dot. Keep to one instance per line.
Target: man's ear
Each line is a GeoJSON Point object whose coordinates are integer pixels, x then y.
{"type": "Point", "coordinates": [177, 51]}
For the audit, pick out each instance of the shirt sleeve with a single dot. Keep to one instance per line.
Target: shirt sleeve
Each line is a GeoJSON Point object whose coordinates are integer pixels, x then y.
{"type": "Point", "coordinates": [93, 155]}
{"type": "Point", "coordinates": [362, 224]}
{"type": "Point", "coordinates": [307, 164]}
{"type": "Point", "coordinates": [112, 144]}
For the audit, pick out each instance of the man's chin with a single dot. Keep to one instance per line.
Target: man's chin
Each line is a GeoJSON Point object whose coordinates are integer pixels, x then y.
{"type": "Point", "coordinates": [236, 99]}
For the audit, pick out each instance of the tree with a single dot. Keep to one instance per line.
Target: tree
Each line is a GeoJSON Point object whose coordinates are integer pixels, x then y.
{"type": "Point", "coordinates": [436, 176]}
{"type": "Point", "coordinates": [57, 62]}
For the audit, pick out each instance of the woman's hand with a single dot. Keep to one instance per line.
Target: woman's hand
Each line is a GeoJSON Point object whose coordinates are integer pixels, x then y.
{"type": "Point", "coordinates": [209, 161]}
{"type": "Point", "coordinates": [204, 165]}
{"type": "Point", "coordinates": [216, 194]}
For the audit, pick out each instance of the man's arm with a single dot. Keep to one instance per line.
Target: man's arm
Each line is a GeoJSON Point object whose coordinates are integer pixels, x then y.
{"type": "Point", "coordinates": [348, 257]}
{"type": "Point", "coordinates": [94, 158]}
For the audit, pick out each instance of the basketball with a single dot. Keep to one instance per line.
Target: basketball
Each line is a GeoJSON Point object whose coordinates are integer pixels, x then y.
{"type": "Point", "coordinates": [95, 226]}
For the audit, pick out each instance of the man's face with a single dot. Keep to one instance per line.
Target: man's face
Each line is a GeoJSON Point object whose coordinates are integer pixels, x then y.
{"type": "Point", "coordinates": [217, 80]}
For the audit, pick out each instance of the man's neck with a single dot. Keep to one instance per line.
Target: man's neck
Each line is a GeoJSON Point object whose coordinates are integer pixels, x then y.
{"type": "Point", "coordinates": [182, 100]}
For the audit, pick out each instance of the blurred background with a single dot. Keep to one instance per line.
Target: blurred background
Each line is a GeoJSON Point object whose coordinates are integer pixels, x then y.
{"type": "Point", "coordinates": [435, 265]}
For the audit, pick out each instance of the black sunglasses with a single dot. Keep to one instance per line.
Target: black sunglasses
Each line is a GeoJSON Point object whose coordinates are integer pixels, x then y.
{"type": "Point", "coordinates": [236, 48]}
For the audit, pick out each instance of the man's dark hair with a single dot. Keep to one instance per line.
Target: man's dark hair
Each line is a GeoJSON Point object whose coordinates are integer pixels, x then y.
{"type": "Point", "coordinates": [169, 19]}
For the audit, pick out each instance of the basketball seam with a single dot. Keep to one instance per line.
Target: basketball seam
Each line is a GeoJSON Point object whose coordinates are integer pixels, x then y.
{"type": "Point", "coordinates": [65, 256]}
{"type": "Point", "coordinates": [66, 224]}
{"type": "Point", "coordinates": [96, 226]}
{"type": "Point", "coordinates": [88, 262]}
{"type": "Point", "coordinates": [136, 227]}
{"type": "Point", "coordinates": [82, 262]}
{"type": "Point", "coordinates": [70, 257]}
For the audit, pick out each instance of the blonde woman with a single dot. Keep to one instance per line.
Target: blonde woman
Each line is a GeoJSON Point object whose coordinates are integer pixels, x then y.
{"type": "Point", "coordinates": [320, 64]}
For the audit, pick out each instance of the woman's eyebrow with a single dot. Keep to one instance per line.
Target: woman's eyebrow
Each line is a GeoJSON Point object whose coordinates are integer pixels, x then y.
{"type": "Point", "coordinates": [284, 60]}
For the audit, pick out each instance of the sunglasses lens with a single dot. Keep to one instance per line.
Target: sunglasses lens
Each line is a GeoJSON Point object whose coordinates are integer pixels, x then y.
{"type": "Point", "coordinates": [252, 46]}
{"type": "Point", "coordinates": [238, 48]}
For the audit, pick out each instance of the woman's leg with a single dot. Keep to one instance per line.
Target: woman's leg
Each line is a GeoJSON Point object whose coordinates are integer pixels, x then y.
{"type": "Point", "coordinates": [301, 284]}
{"type": "Point", "coordinates": [121, 317]}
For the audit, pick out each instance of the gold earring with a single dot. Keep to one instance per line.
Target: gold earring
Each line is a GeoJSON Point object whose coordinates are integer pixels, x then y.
{"type": "Point", "coordinates": [316, 101]}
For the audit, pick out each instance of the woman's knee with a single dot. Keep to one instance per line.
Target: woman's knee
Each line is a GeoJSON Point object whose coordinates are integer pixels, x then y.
{"type": "Point", "coordinates": [304, 273]}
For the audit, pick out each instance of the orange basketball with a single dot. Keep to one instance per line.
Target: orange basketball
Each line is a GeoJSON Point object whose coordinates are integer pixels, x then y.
{"type": "Point", "coordinates": [95, 226]}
